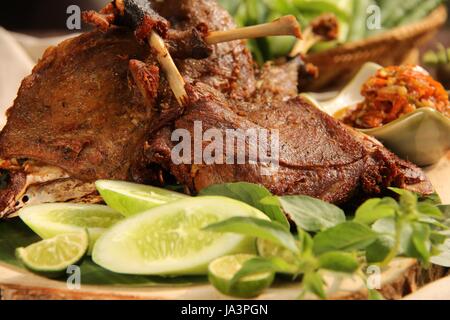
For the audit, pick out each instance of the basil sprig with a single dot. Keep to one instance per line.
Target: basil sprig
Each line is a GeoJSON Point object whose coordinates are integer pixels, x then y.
{"type": "Point", "coordinates": [324, 239]}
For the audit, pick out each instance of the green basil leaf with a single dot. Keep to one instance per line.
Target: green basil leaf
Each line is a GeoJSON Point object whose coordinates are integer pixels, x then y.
{"type": "Point", "coordinates": [380, 249]}
{"type": "Point", "coordinates": [311, 214]}
{"type": "Point", "coordinates": [339, 262]}
{"type": "Point", "coordinates": [386, 229]}
{"type": "Point", "coordinates": [348, 236]}
{"type": "Point", "coordinates": [408, 201]}
{"type": "Point", "coordinates": [433, 199]}
{"type": "Point", "coordinates": [438, 238]}
{"type": "Point", "coordinates": [252, 194]}
{"type": "Point", "coordinates": [375, 295]}
{"type": "Point", "coordinates": [402, 192]}
{"type": "Point", "coordinates": [421, 244]}
{"type": "Point", "coordinates": [429, 210]}
{"type": "Point", "coordinates": [306, 243]}
{"type": "Point", "coordinates": [375, 209]}
{"type": "Point", "coordinates": [432, 222]}
{"type": "Point", "coordinates": [313, 282]}
{"type": "Point", "coordinates": [445, 209]}
{"type": "Point", "coordinates": [258, 228]}
{"type": "Point", "coordinates": [443, 258]}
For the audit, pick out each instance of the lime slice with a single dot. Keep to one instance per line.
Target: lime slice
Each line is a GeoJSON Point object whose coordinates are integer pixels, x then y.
{"type": "Point", "coordinates": [268, 249]}
{"type": "Point", "coordinates": [130, 198]}
{"type": "Point", "coordinates": [169, 240]}
{"type": "Point", "coordinates": [49, 220]}
{"type": "Point", "coordinates": [52, 257]}
{"type": "Point", "coordinates": [222, 270]}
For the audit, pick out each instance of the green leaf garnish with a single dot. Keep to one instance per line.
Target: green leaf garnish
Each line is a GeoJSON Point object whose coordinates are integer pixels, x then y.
{"type": "Point", "coordinates": [348, 236]}
{"type": "Point", "coordinates": [268, 230]}
{"type": "Point", "coordinates": [339, 262]}
{"type": "Point", "coordinates": [311, 214]}
{"type": "Point", "coordinates": [250, 193]}
{"type": "Point", "coordinates": [313, 282]}
{"type": "Point", "coordinates": [375, 209]}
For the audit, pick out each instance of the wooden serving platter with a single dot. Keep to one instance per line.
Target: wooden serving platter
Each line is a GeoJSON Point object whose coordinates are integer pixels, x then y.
{"type": "Point", "coordinates": [404, 276]}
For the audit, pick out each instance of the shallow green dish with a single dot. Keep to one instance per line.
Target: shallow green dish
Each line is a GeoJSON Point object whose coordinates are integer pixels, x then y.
{"type": "Point", "coordinates": [422, 136]}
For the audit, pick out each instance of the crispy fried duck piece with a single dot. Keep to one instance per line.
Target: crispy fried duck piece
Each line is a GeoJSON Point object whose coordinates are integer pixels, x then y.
{"type": "Point", "coordinates": [318, 157]}
{"type": "Point", "coordinates": [81, 112]}
{"type": "Point", "coordinates": [88, 108]}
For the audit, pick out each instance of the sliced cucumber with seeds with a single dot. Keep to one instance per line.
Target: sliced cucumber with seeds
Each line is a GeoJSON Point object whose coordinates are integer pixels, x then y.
{"type": "Point", "coordinates": [130, 198]}
{"type": "Point", "coordinates": [49, 220]}
{"type": "Point", "coordinates": [222, 270]}
{"type": "Point", "coordinates": [53, 256]}
{"type": "Point", "coordinates": [170, 240]}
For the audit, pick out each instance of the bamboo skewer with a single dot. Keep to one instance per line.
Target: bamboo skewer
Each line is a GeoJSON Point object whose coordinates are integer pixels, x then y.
{"type": "Point", "coordinates": [287, 25]}
{"type": "Point", "coordinates": [284, 26]}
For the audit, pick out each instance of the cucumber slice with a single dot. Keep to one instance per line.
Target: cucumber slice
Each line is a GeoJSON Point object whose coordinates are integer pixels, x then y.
{"type": "Point", "coordinates": [130, 198]}
{"type": "Point", "coordinates": [53, 256]}
{"type": "Point", "coordinates": [169, 240]}
{"type": "Point", "coordinates": [49, 220]}
{"type": "Point", "coordinates": [221, 271]}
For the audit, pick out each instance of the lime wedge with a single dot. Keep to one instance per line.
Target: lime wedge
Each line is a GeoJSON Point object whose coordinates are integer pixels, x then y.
{"type": "Point", "coordinates": [169, 240]}
{"type": "Point", "coordinates": [49, 220]}
{"type": "Point", "coordinates": [222, 270]}
{"type": "Point", "coordinates": [130, 198]}
{"type": "Point", "coordinates": [53, 256]}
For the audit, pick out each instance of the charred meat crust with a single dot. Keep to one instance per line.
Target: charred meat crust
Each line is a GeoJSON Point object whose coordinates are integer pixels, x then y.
{"type": "Point", "coordinates": [76, 111]}
{"type": "Point", "coordinates": [91, 121]}
{"type": "Point", "coordinates": [319, 156]}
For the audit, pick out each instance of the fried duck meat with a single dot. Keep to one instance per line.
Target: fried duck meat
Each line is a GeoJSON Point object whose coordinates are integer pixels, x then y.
{"type": "Point", "coordinates": [318, 156]}
{"type": "Point", "coordinates": [79, 112]}
{"type": "Point", "coordinates": [90, 104]}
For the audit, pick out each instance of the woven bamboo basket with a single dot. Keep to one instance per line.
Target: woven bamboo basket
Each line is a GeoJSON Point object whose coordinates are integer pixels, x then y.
{"type": "Point", "coordinates": [394, 47]}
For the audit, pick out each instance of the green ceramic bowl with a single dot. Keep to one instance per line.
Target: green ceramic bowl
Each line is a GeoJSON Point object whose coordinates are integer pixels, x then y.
{"type": "Point", "coordinates": [422, 136]}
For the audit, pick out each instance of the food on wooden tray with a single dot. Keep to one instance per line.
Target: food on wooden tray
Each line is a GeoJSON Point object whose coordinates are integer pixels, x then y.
{"type": "Point", "coordinates": [396, 91]}
{"type": "Point", "coordinates": [196, 235]}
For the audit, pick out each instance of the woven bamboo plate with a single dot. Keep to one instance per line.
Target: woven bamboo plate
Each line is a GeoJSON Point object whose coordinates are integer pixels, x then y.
{"type": "Point", "coordinates": [394, 47]}
{"type": "Point", "coordinates": [402, 278]}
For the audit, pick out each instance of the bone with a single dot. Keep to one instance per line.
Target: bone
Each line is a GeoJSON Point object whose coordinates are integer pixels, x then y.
{"type": "Point", "coordinates": [323, 28]}
{"type": "Point", "coordinates": [284, 26]}
{"type": "Point", "coordinates": [303, 46]}
{"type": "Point", "coordinates": [176, 81]}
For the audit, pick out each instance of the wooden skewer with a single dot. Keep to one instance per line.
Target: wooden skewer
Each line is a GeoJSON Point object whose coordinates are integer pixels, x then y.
{"type": "Point", "coordinates": [176, 81]}
{"type": "Point", "coordinates": [287, 25]}
{"type": "Point", "coordinates": [284, 26]}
